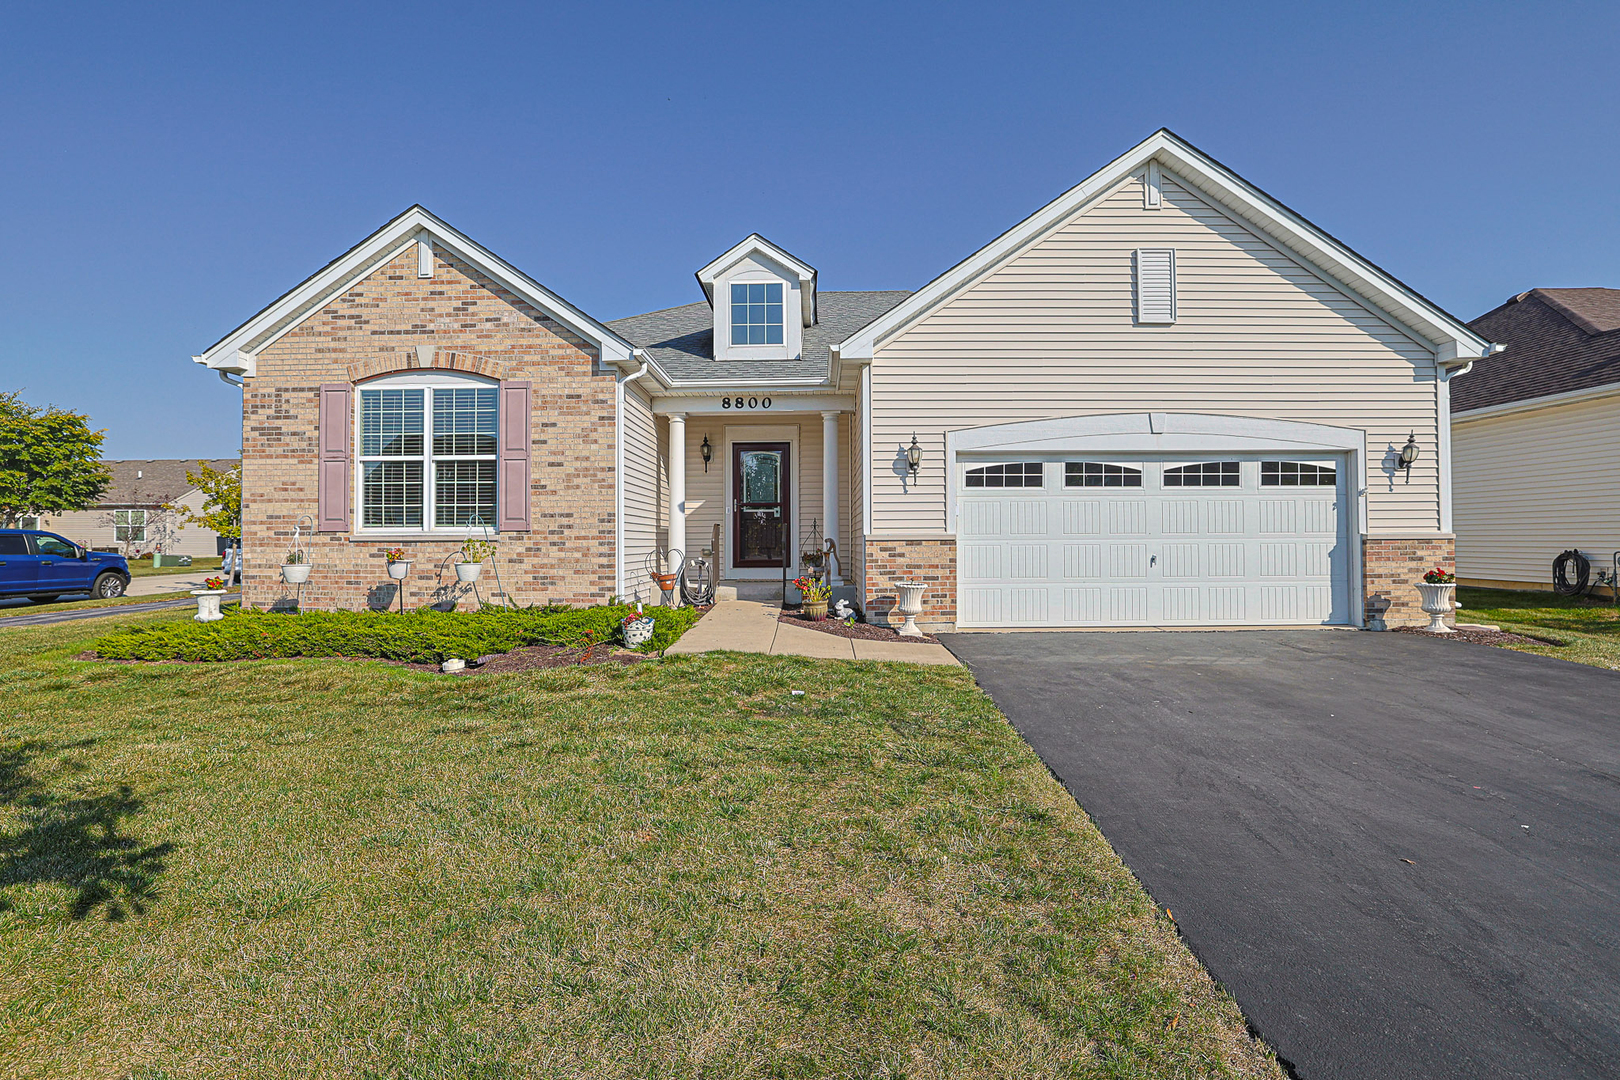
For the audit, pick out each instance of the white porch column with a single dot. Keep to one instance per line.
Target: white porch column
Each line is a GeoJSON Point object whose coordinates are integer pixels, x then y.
{"type": "Point", "coordinates": [829, 484]}
{"type": "Point", "coordinates": [677, 486]}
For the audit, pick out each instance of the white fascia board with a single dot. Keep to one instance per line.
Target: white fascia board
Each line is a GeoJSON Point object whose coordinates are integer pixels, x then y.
{"type": "Point", "coordinates": [719, 389]}
{"type": "Point", "coordinates": [236, 351]}
{"type": "Point", "coordinates": [754, 243]}
{"type": "Point", "coordinates": [709, 405]}
{"type": "Point", "coordinates": [1547, 401]}
{"type": "Point", "coordinates": [1449, 337]}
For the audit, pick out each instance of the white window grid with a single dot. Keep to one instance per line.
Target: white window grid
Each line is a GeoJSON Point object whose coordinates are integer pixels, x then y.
{"type": "Point", "coordinates": [428, 457]}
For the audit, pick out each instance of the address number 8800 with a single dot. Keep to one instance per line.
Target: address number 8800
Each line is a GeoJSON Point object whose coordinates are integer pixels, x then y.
{"type": "Point", "coordinates": [745, 403]}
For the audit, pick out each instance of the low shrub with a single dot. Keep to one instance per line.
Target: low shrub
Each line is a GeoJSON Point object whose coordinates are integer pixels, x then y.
{"type": "Point", "coordinates": [422, 637]}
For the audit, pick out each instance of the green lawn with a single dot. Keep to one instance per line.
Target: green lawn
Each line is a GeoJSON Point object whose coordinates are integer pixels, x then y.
{"type": "Point", "coordinates": [198, 565]}
{"type": "Point", "coordinates": [1587, 630]}
{"type": "Point", "coordinates": [672, 869]}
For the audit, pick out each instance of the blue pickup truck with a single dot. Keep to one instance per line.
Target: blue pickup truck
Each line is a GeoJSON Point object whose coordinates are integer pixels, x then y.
{"type": "Point", "coordinates": [43, 566]}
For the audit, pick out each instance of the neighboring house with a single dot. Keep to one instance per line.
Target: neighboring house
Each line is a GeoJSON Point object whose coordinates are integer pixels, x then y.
{"type": "Point", "coordinates": [132, 517]}
{"type": "Point", "coordinates": [1536, 433]}
{"type": "Point", "coordinates": [1163, 399]}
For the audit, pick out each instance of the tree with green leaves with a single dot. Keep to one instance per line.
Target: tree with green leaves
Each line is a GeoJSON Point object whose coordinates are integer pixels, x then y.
{"type": "Point", "coordinates": [222, 499]}
{"type": "Point", "coordinates": [50, 461]}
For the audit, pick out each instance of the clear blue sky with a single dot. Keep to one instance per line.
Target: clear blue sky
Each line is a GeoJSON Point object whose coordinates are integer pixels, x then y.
{"type": "Point", "coordinates": [166, 172]}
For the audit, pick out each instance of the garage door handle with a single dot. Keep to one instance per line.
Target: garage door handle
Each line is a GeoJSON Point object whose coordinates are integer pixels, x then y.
{"type": "Point", "coordinates": [1152, 560]}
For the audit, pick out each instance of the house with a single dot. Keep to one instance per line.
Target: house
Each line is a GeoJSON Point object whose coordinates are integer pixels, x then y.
{"type": "Point", "coordinates": [134, 515]}
{"type": "Point", "coordinates": [1162, 399]}
{"type": "Point", "coordinates": [1536, 432]}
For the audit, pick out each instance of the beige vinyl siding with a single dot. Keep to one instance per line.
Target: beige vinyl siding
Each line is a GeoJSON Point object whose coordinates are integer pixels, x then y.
{"type": "Point", "coordinates": [86, 527]}
{"type": "Point", "coordinates": [642, 496]}
{"type": "Point", "coordinates": [1051, 333]}
{"type": "Point", "coordinates": [1529, 485]}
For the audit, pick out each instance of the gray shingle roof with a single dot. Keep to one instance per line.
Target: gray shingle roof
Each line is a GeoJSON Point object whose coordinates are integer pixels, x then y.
{"type": "Point", "coordinates": [681, 339]}
{"type": "Point", "coordinates": [1558, 341]}
{"type": "Point", "coordinates": [137, 483]}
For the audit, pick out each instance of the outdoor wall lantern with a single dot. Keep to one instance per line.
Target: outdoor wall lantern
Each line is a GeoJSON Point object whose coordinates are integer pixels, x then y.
{"type": "Point", "coordinates": [914, 456]}
{"type": "Point", "coordinates": [1409, 454]}
{"type": "Point", "coordinates": [707, 451]}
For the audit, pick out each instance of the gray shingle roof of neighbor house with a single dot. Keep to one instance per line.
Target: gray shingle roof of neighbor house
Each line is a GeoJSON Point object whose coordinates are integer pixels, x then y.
{"type": "Point", "coordinates": [154, 482]}
{"type": "Point", "coordinates": [681, 339]}
{"type": "Point", "coordinates": [1558, 341]}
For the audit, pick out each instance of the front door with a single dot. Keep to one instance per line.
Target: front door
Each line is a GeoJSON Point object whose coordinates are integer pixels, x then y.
{"type": "Point", "coordinates": [761, 519]}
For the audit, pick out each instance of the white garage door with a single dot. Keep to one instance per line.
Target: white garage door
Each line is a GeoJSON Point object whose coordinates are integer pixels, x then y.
{"type": "Point", "coordinates": [1222, 540]}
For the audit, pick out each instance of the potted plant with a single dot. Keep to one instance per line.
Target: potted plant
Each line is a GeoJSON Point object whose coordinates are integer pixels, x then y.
{"type": "Point", "coordinates": [295, 570]}
{"type": "Point", "coordinates": [470, 567]}
{"type": "Point", "coordinates": [637, 628]}
{"type": "Point", "coordinates": [208, 600]}
{"type": "Point", "coordinates": [399, 567]}
{"type": "Point", "coordinates": [1436, 589]}
{"type": "Point", "coordinates": [816, 594]}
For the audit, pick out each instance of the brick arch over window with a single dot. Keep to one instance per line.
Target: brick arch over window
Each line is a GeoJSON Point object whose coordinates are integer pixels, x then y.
{"type": "Point", "coordinates": [427, 358]}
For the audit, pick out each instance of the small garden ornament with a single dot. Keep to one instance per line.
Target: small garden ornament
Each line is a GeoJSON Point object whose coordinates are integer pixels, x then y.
{"type": "Point", "coordinates": [208, 600]}
{"type": "Point", "coordinates": [470, 567]}
{"type": "Point", "coordinates": [637, 628]}
{"type": "Point", "coordinates": [909, 604]}
{"type": "Point", "coordinates": [816, 593]}
{"type": "Point", "coordinates": [1436, 589]}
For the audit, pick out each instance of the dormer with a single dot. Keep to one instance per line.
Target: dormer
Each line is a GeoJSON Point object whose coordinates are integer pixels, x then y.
{"type": "Point", "coordinates": [763, 298]}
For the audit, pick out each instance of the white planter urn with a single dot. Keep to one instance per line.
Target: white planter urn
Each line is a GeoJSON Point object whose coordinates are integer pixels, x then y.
{"type": "Point", "coordinates": [208, 604]}
{"type": "Point", "coordinates": [295, 573]}
{"type": "Point", "coordinates": [910, 605]}
{"type": "Point", "coordinates": [638, 632]}
{"type": "Point", "coordinates": [469, 571]}
{"type": "Point", "coordinates": [401, 570]}
{"type": "Point", "coordinates": [1437, 605]}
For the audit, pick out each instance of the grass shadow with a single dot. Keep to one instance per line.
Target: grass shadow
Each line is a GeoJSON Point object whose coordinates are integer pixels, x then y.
{"type": "Point", "coordinates": [79, 843]}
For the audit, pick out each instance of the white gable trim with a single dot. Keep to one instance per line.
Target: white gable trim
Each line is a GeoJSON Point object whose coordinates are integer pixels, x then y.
{"type": "Point", "coordinates": [1452, 341]}
{"type": "Point", "coordinates": [755, 244]}
{"type": "Point", "coordinates": [238, 350]}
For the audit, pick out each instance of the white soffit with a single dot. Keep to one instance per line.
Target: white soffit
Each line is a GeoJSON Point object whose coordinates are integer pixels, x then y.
{"type": "Point", "coordinates": [1452, 340]}
{"type": "Point", "coordinates": [236, 351]}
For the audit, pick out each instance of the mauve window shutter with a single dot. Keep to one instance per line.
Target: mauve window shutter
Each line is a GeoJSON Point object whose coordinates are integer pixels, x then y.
{"type": "Point", "coordinates": [512, 485]}
{"type": "Point", "coordinates": [334, 500]}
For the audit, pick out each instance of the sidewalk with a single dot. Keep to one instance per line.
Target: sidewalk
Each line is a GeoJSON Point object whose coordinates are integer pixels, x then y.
{"type": "Point", "coordinates": [746, 626]}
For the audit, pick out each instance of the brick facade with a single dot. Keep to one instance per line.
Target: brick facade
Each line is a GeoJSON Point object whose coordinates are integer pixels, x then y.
{"type": "Point", "coordinates": [1392, 566]}
{"type": "Point", "coordinates": [462, 320]}
{"type": "Point", "coordinates": [930, 561]}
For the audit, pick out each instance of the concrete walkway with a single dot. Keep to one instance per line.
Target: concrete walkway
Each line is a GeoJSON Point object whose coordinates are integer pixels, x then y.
{"type": "Point", "coordinates": [746, 626]}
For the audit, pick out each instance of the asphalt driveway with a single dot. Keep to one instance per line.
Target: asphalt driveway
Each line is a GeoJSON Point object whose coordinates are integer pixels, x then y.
{"type": "Point", "coordinates": [1400, 855]}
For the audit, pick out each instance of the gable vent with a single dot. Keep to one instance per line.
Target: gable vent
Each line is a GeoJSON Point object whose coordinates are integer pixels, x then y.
{"type": "Point", "coordinates": [1155, 286]}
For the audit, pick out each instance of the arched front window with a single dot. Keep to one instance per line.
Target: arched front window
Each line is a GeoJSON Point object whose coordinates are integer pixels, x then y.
{"type": "Point", "coordinates": [427, 444]}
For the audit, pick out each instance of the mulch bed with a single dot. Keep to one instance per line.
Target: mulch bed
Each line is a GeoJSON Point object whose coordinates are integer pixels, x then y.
{"type": "Point", "coordinates": [864, 631]}
{"type": "Point", "coordinates": [527, 658]}
{"type": "Point", "coordinates": [1477, 637]}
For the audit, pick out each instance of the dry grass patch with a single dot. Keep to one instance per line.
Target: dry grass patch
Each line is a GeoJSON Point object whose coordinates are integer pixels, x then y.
{"type": "Point", "coordinates": [675, 869]}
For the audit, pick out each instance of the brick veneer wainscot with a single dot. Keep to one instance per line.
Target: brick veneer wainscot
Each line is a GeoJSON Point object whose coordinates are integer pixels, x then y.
{"type": "Point", "coordinates": [1391, 568]}
{"type": "Point", "coordinates": [468, 322]}
{"type": "Point", "coordinates": [932, 562]}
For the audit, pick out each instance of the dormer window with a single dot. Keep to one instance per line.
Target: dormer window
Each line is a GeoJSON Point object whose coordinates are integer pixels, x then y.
{"type": "Point", "coordinates": [756, 313]}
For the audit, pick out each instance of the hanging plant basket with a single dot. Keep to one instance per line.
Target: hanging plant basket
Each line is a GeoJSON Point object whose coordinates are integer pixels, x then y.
{"type": "Point", "coordinates": [469, 571]}
{"type": "Point", "coordinates": [295, 573]}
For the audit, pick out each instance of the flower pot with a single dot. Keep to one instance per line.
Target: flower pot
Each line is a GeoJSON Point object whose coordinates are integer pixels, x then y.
{"type": "Point", "coordinates": [469, 571]}
{"type": "Point", "coordinates": [910, 605]}
{"type": "Point", "coordinates": [814, 610]}
{"type": "Point", "coordinates": [638, 632]}
{"type": "Point", "coordinates": [208, 604]}
{"type": "Point", "coordinates": [401, 570]}
{"type": "Point", "coordinates": [453, 664]}
{"type": "Point", "coordinates": [295, 573]}
{"type": "Point", "coordinates": [1437, 605]}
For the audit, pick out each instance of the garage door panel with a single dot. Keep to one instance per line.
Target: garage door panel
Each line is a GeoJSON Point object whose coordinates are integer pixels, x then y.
{"type": "Point", "coordinates": [1147, 556]}
{"type": "Point", "coordinates": [1082, 517]}
{"type": "Point", "coordinates": [1082, 562]}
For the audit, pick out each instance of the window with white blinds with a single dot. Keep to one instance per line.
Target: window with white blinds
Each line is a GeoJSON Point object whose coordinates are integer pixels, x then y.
{"type": "Point", "coordinates": [1155, 285]}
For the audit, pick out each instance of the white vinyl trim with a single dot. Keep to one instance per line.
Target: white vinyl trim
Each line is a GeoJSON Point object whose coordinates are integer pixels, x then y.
{"type": "Point", "coordinates": [1547, 401]}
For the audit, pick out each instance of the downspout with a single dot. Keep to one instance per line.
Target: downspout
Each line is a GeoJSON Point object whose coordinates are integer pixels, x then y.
{"type": "Point", "coordinates": [619, 383]}
{"type": "Point", "coordinates": [1442, 392]}
{"type": "Point", "coordinates": [225, 377]}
